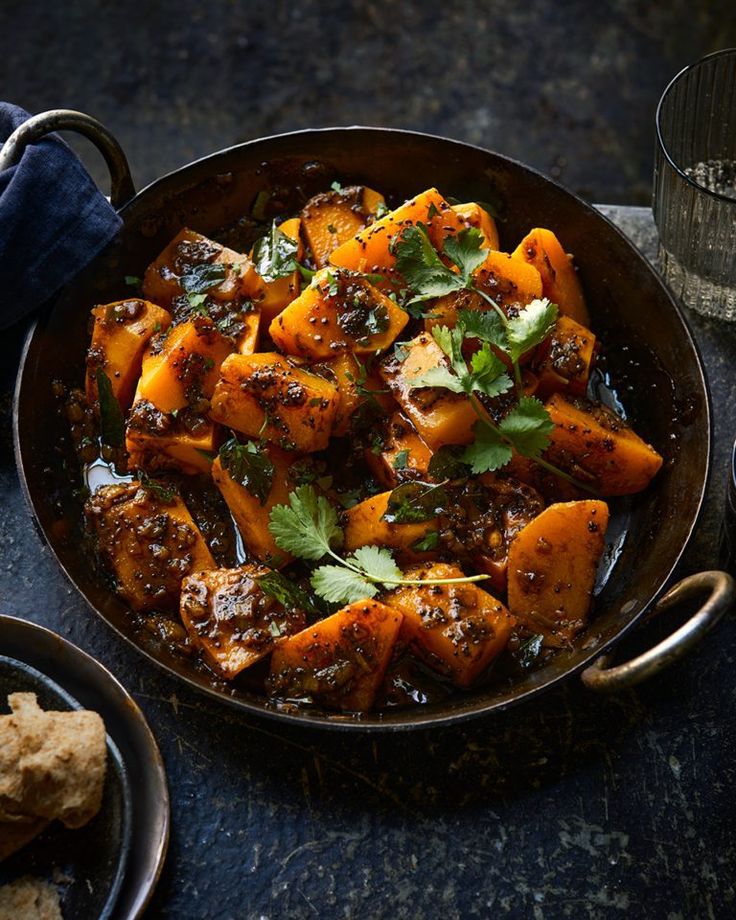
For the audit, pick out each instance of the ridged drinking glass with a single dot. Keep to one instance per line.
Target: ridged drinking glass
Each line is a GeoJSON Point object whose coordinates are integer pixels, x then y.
{"type": "Point", "coordinates": [695, 185]}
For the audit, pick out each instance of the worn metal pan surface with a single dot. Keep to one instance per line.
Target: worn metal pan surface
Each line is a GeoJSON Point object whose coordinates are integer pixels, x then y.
{"type": "Point", "coordinates": [651, 359]}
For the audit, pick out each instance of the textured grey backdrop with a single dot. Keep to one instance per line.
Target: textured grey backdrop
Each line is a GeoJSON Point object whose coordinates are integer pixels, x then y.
{"type": "Point", "coordinates": [569, 87]}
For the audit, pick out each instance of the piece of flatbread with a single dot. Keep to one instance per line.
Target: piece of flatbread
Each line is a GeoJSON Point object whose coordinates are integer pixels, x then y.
{"type": "Point", "coordinates": [52, 764]}
{"type": "Point", "coordinates": [29, 898]}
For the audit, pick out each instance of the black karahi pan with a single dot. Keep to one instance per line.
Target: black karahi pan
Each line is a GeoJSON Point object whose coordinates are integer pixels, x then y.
{"type": "Point", "coordinates": [651, 359]}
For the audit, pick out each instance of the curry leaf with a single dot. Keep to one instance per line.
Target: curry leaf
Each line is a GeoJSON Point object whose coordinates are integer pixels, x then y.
{"type": "Point", "coordinates": [249, 466]}
{"type": "Point", "coordinates": [415, 502]}
{"type": "Point", "coordinates": [275, 255]}
{"type": "Point", "coordinates": [112, 423]}
{"type": "Point", "coordinates": [200, 278]}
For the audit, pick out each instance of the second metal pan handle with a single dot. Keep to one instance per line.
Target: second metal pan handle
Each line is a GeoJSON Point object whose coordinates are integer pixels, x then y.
{"type": "Point", "coordinates": [122, 188]}
{"type": "Point", "coordinates": [721, 597]}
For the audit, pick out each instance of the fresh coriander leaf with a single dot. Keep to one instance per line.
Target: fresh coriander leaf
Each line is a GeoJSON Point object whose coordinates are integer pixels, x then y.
{"type": "Point", "coordinates": [377, 562]}
{"type": "Point", "coordinates": [485, 325]}
{"type": "Point", "coordinates": [466, 251]}
{"type": "Point", "coordinates": [489, 373]}
{"type": "Point", "coordinates": [112, 423]}
{"type": "Point", "coordinates": [528, 426]}
{"type": "Point", "coordinates": [200, 278]}
{"type": "Point", "coordinates": [275, 629]}
{"type": "Point", "coordinates": [451, 342]}
{"type": "Point", "coordinates": [275, 255]}
{"type": "Point", "coordinates": [531, 327]}
{"type": "Point", "coordinates": [414, 503]}
{"type": "Point", "coordinates": [289, 594]}
{"type": "Point", "coordinates": [437, 377]}
{"type": "Point", "coordinates": [401, 460]}
{"type": "Point", "coordinates": [335, 186]}
{"type": "Point", "coordinates": [381, 210]}
{"type": "Point", "coordinates": [306, 273]}
{"type": "Point", "coordinates": [133, 281]}
{"type": "Point", "coordinates": [340, 585]}
{"type": "Point", "coordinates": [446, 463]}
{"type": "Point", "coordinates": [421, 267]}
{"type": "Point", "coordinates": [249, 466]}
{"type": "Point", "coordinates": [528, 652]}
{"type": "Point", "coordinates": [427, 543]}
{"type": "Point", "coordinates": [307, 527]}
{"type": "Point", "coordinates": [488, 452]}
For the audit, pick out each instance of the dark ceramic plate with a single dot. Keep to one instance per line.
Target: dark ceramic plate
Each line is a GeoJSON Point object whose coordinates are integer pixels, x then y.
{"type": "Point", "coordinates": [108, 868]}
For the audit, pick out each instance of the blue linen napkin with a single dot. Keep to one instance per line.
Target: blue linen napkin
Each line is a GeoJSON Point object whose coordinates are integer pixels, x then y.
{"type": "Point", "coordinates": [53, 221]}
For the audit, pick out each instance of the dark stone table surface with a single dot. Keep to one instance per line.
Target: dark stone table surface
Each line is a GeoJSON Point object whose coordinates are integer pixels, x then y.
{"type": "Point", "coordinates": [576, 806]}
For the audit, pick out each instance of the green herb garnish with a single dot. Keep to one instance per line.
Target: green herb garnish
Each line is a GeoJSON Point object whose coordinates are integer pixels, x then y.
{"type": "Point", "coordinates": [308, 528]}
{"type": "Point", "coordinates": [401, 460]}
{"type": "Point", "coordinates": [112, 423]}
{"type": "Point", "coordinates": [275, 255]}
{"type": "Point", "coordinates": [249, 466]}
{"type": "Point", "coordinates": [289, 594]}
{"type": "Point", "coordinates": [163, 491]}
{"type": "Point", "coordinates": [414, 503]}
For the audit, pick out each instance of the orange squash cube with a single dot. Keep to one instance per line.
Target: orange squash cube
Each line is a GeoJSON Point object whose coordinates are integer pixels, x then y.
{"type": "Point", "coordinates": [182, 367]}
{"type": "Point", "coordinates": [149, 541]}
{"type": "Point", "coordinates": [331, 218]}
{"type": "Point", "coordinates": [280, 293]}
{"type": "Point", "coordinates": [156, 441]}
{"type": "Point", "coordinates": [560, 283]}
{"type": "Point", "coordinates": [346, 374]}
{"type": "Point", "coordinates": [339, 661]}
{"type": "Point", "coordinates": [552, 568]}
{"type": "Point", "coordinates": [251, 512]}
{"type": "Point", "coordinates": [465, 216]}
{"type": "Point", "coordinates": [340, 311]}
{"type": "Point", "coordinates": [369, 251]}
{"type": "Point", "coordinates": [403, 455]}
{"type": "Point", "coordinates": [511, 282]}
{"type": "Point", "coordinates": [265, 396]}
{"type": "Point", "coordinates": [565, 360]}
{"type": "Point", "coordinates": [458, 629]}
{"type": "Point", "coordinates": [363, 525]}
{"type": "Point", "coordinates": [119, 338]}
{"type": "Point", "coordinates": [599, 448]}
{"type": "Point", "coordinates": [231, 620]}
{"type": "Point", "coordinates": [439, 416]}
{"type": "Point", "coordinates": [222, 283]}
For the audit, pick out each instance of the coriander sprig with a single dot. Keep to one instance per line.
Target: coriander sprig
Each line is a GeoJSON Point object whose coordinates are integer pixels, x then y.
{"type": "Point", "coordinates": [308, 528]}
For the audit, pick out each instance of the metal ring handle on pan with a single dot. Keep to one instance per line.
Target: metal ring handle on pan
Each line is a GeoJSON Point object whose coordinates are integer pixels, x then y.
{"type": "Point", "coordinates": [721, 589]}
{"type": "Point", "coordinates": [122, 188]}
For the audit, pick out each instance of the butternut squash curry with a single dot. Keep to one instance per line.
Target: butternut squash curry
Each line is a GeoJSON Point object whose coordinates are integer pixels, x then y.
{"type": "Point", "coordinates": [355, 466]}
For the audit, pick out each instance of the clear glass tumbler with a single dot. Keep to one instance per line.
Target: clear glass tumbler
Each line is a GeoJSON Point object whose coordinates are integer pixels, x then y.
{"type": "Point", "coordinates": [695, 185]}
